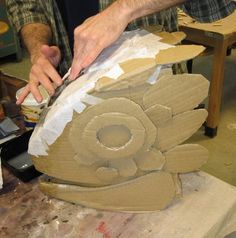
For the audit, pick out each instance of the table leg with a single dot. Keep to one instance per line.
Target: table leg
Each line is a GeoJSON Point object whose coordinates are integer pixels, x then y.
{"type": "Point", "coordinates": [216, 87]}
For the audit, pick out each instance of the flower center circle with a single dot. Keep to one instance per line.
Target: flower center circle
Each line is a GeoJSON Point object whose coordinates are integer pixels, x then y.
{"type": "Point", "coordinates": [114, 136]}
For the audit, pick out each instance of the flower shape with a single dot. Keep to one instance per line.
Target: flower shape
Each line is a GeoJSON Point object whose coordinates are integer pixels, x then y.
{"type": "Point", "coordinates": [112, 135]}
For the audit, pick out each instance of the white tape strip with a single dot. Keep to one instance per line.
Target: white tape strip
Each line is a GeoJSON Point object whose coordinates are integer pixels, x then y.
{"type": "Point", "coordinates": [153, 78]}
{"type": "Point", "coordinates": [91, 100]}
{"type": "Point", "coordinates": [115, 72]}
{"type": "Point", "coordinates": [79, 107]}
{"type": "Point", "coordinates": [36, 145]}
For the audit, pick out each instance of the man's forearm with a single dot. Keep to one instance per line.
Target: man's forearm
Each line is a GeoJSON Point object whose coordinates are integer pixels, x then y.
{"type": "Point", "coordinates": [134, 9]}
{"type": "Point", "coordinates": [34, 36]}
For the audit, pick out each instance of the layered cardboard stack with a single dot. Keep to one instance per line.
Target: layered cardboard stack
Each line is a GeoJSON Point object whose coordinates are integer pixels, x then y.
{"type": "Point", "coordinates": [121, 147]}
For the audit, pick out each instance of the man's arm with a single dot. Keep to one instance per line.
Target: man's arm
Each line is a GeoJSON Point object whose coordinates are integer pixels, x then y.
{"type": "Point", "coordinates": [31, 22]}
{"type": "Point", "coordinates": [33, 36]}
{"type": "Point", "coordinates": [44, 59]}
{"type": "Point", "coordinates": [103, 29]}
{"type": "Point", "coordinates": [138, 8]}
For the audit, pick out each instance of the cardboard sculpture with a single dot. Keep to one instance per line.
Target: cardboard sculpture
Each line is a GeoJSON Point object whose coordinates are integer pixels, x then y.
{"type": "Point", "coordinates": [115, 142]}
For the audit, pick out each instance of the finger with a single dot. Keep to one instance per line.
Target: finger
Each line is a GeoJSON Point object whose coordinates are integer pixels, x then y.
{"type": "Point", "coordinates": [33, 86]}
{"type": "Point", "coordinates": [75, 69]}
{"type": "Point", "coordinates": [51, 72]}
{"type": "Point", "coordinates": [43, 68]}
{"type": "Point", "coordinates": [93, 54]}
{"type": "Point", "coordinates": [82, 45]}
{"type": "Point", "coordinates": [39, 76]}
{"type": "Point", "coordinates": [25, 92]}
{"type": "Point", "coordinates": [81, 40]}
{"type": "Point", "coordinates": [89, 19]}
{"type": "Point", "coordinates": [84, 57]}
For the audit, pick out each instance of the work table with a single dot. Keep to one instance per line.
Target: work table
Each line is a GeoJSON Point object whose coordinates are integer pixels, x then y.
{"type": "Point", "coordinates": [219, 36]}
{"type": "Point", "coordinates": [207, 209]}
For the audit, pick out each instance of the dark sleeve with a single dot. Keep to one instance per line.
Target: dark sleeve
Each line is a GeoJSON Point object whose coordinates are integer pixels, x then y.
{"type": "Point", "coordinates": [23, 12]}
{"type": "Point", "coordinates": [208, 10]}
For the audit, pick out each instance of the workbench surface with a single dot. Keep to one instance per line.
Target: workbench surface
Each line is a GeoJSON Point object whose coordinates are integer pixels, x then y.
{"type": "Point", "coordinates": [207, 209]}
{"type": "Point", "coordinates": [224, 27]}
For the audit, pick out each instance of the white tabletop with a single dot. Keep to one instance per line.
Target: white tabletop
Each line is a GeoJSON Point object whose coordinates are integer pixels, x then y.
{"type": "Point", "coordinates": [206, 210]}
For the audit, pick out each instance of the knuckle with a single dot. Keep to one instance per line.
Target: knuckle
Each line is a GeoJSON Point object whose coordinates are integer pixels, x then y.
{"type": "Point", "coordinates": [33, 70]}
{"type": "Point", "coordinates": [58, 82]}
{"type": "Point", "coordinates": [81, 35]}
{"type": "Point", "coordinates": [41, 62]}
{"type": "Point", "coordinates": [31, 79]}
{"type": "Point", "coordinates": [76, 31]}
{"type": "Point", "coordinates": [31, 86]}
{"type": "Point", "coordinates": [51, 91]}
{"type": "Point", "coordinates": [94, 38]}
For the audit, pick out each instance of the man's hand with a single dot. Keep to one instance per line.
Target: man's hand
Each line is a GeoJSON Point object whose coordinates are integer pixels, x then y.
{"type": "Point", "coordinates": [95, 34]}
{"type": "Point", "coordinates": [103, 29]}
{"type": "Point", "coordinates": [43, 72]}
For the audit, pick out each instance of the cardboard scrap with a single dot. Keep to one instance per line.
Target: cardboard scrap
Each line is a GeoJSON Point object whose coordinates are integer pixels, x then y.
{"type": "Point", "coordinates": [178, 54]}
{"type": "Point", "coordinates": [172, 38]}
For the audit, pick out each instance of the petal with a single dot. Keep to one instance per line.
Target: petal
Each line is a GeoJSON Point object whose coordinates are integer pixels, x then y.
{"type": "Point", "coordinates": [159, 114]}
{"type": "Point", "coordinates": [106, 174]}
{"type": "Point", "coordinates": [150, 192]}
{"type": "Point", "coordinates": [179, 92]}
{"type": "Point", "coordinates": [151, 160]}
{"type": "Point", "coordinates": [85, 161]}
{"type": "Point", "coordinates": [185, 158]}
{"type": "Point", "coordinates": [179, 129]}
{"type": "Point", "coordinates": [126, 167]}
